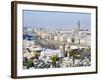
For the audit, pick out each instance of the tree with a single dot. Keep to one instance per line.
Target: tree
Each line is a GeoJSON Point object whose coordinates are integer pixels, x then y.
{"type": "Point", "coordinates": [54, 58]}
{"type": "Point", "coordinates": [73, 53]}
{"type": "Point", "coordinates": [29, 64]}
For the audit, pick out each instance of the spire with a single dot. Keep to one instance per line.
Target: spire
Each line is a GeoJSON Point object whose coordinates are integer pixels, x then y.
{"type": "Point", "coordinates": [78, 25]}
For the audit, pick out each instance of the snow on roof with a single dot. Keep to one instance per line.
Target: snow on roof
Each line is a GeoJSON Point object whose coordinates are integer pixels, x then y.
{"type": "Point", "coordinates": [37, 49]}
{"type": "Point", "coordinates": [74, 47]}
{"type": "Point", "coordinates": [29, 55]}
{"type": "Point", "coordinates": [50, 52]}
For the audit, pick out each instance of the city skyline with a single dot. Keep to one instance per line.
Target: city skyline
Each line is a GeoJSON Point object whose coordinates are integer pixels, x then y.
{"type": "Point", "coordinates": [52, 19]}
{"type": "Point", "coordinates": [50, 43]}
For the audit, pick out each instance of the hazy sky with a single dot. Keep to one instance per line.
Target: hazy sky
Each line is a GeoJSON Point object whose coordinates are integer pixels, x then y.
{"type": "Point", "coordinates": [51, 19]}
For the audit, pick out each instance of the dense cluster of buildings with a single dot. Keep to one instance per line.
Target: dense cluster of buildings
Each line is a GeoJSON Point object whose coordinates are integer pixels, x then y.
{"type": "Point", "coordinates": [46, 48]}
